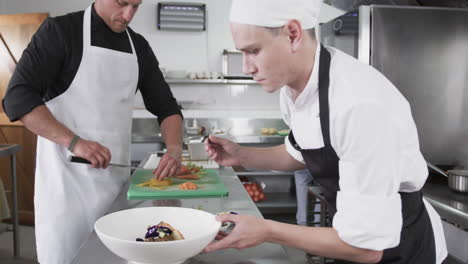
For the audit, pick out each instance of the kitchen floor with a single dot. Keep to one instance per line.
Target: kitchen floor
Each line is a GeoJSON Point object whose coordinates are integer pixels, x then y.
{"type": "Point", "coordinates": [28, 248]}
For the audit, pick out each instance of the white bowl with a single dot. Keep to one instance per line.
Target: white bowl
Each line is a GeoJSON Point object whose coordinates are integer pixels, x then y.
{"type": "Point", "coordinates": [119, 230]}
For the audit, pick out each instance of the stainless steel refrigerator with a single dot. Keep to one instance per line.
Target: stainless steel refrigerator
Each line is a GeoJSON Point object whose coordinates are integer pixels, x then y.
{"type": "Point", "coordinates": [424, 52]}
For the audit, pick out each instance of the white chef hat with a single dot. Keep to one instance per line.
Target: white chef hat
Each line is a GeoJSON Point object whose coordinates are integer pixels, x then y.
{"type": "Point", "coordinates": [275, 13]}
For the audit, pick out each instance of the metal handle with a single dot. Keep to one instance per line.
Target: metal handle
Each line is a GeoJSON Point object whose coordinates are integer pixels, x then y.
{"type": "Point", "coordinates": [79, 160]}
{"type": "Point", "coordinates": [437, 169]}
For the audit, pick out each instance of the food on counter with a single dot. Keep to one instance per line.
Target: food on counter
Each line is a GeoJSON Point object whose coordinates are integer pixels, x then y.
{"type": "Point", "coordinates": [188, 186]}
{"type": "Point", "coordinates": [268, 131]}
{"type": "Point", "coordinates": [191, 168]}
{"type": "Point", "coordinates": [160, 233]}
{"type": "Point", "coordinates": [156, 184]}
{"type": "Point", "coordinates": [188, 176]}
{"type": "Point", "coordinates": [284, 132]}
{"type": "Point", "coordinates": [184, 170]}
{"type": "Point", "coordinates": [255, 191]}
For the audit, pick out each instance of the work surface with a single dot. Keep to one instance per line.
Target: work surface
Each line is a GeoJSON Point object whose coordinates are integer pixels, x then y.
{"type": "Point", "coordinates": [93, 251]}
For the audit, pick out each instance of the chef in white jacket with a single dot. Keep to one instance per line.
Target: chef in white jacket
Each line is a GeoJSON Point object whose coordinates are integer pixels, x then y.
{"type": "Point", "coordinates": [350, 127]}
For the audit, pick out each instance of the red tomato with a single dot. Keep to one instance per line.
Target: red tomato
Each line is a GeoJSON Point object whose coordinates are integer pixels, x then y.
{"type": "Point", "coordinates": [261, 196]}
{"type": "Point", "coordinates": [256, 193]}
{"type": "Point", "coordinates": [248, 187]}
{"type": "Point", "coordinates": [256, 199]}
{"type": "Point", "coordinates": [254, 187]}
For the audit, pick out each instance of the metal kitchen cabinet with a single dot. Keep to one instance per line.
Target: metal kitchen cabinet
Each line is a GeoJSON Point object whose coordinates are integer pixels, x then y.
{"type": "Point", "coordinates": [423, 51]}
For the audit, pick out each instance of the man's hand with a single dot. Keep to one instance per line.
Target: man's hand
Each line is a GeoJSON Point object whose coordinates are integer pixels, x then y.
{"type": "Point", "coordinates": [169, 164]}
{"type": "Point", "coordinates": [223, 151]}
{"type": "Point", "coordinates": [248, 232]}
{"type": "Point", "coordinates": [97, 154]}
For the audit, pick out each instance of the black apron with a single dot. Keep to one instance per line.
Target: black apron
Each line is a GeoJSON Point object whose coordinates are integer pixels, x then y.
{"type": "Point", "coordinates": [417, 243]}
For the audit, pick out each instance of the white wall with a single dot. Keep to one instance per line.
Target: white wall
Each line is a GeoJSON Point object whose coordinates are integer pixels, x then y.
{"type": "Point", "coordinates": [191, 51]}
{"type": "Point", "coordinates": [54, 7]}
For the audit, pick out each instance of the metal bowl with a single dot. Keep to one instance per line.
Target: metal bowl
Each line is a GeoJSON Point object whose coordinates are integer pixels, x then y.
{"type": "Point", "coordinates": [457, 179]}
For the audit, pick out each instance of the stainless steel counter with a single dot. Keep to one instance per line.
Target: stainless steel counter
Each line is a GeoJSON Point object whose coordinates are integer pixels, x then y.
{"type": "Point", "coordinates": [451, 206]}
{"type": "Point", "coordinates": [93, 251]}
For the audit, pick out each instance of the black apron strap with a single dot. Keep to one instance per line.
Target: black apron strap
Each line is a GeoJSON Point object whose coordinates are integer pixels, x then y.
{"type": "Point", "coordinates": [324, 106]}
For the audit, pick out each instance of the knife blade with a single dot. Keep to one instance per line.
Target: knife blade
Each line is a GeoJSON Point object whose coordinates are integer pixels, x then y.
{"type": "Point", "coordinates": [85, 161]}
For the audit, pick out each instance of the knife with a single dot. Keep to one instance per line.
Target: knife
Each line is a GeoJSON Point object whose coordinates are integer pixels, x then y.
{"type": "Point", "coordinates": [85, 161]}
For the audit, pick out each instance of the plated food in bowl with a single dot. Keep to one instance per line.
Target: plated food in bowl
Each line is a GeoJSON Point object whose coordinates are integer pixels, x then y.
{"type": "Point", "coordinates": [160, 233]}
{"type": "Point", "coordinates": [118, 231]}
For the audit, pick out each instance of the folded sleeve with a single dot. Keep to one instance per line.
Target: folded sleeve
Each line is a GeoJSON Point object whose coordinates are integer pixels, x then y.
{"type": "Point", "coordinates": [368, 204]}
{"type": "Point", "coordinates": [368, 221]}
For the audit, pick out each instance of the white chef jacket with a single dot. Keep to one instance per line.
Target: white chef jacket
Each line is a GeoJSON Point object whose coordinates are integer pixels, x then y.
{"type": "Point", "coordinates": [375, 137]}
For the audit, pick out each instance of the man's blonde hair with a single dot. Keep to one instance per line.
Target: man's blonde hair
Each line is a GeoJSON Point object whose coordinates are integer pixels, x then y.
{"type": "Point", "coordinates": [275, 31]}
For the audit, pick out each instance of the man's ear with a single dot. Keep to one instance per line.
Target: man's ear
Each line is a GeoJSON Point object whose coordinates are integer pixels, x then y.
{"type": "Point", "coordinates": [293, 29]}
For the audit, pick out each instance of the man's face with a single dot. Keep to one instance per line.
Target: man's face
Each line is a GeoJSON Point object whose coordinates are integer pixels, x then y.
{"type": "Point", "coordinates": [117, 13]}
{"type": "Point", "coordinates": [265, 55]}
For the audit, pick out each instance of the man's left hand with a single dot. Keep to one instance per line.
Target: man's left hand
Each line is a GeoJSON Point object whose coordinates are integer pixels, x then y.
{"type": "Point", "coordinates": [169, 164]}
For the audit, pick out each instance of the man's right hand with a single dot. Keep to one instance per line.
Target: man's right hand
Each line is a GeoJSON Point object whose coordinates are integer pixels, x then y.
{"type": "Point", "coordinates": [223, 151]}
{"type": "Point", "coordinates": [97, 154]}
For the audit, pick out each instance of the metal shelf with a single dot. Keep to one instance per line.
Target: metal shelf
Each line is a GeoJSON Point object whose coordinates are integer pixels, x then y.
{"type": "Point", "coordinates": [11, 150]}
{"type": "Point", "coordinates": [209, 81]}
{"type": "Point", "coordinates": [264, 173]}
{"type": "Point", "coordinates": [7, 150]}
{"type": "Point", "coordinates": [278, 202]}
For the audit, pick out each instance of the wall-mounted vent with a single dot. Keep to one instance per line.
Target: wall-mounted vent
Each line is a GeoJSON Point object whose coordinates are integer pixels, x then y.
{"type": "Point", "coordinates": [181, 16]}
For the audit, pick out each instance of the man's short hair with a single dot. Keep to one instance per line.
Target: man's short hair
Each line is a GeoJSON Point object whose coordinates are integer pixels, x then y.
{"type": "Point", "coordinates": [275, 31]}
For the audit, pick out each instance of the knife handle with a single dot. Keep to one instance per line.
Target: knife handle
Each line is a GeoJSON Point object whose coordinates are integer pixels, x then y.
{"type": "Point", "coordinates": [79, 160]}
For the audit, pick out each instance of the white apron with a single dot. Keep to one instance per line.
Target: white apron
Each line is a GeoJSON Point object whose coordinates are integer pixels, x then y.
{"type": "Point", "coordinates": [70, 197]}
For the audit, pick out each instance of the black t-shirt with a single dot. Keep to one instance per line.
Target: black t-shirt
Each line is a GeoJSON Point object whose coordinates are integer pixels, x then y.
{"type": "Point", "coordinates": [51, 60]}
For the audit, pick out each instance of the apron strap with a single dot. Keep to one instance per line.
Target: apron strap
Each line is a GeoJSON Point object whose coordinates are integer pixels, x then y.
{"type": "Point", "coordinates": [324, 81]}
{"type": "Point", "coordinates": [131, 41]}
{"type": "Point", "coordinates": [87, 31]}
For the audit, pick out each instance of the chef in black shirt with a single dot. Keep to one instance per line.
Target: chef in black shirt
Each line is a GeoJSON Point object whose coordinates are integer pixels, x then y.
{"type": "Point", "coordinates": [74, 87]}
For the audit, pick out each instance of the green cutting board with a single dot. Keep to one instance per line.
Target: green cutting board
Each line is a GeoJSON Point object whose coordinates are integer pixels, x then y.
{"type": "Point", "coordinates": [210, 185]}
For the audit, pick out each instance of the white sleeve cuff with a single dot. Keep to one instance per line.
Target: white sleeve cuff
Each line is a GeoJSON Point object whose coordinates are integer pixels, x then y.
{"type": "Point", "coordinates": [368, 221]}
{"type": "Point", "coordinates": [297, 155]}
